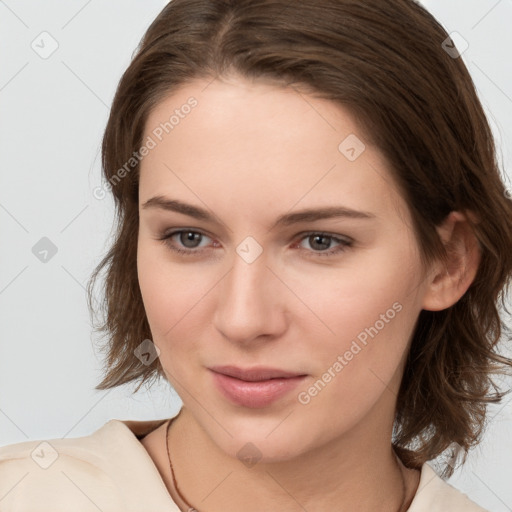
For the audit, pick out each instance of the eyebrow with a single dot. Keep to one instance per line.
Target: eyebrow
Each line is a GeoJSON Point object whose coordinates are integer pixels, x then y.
{"type": "Point", "coordinates": [288, 219]}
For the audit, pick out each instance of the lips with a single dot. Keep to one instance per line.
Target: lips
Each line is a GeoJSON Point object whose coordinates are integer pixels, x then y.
{"type": "Point", "coordinates": [254, 374]}
{"type": "Point", "coordinates": [254, 387]}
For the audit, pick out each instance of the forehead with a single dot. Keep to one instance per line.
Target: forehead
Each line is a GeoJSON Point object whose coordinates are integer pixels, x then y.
{"type": "Point", "coordinates": [258, 145]}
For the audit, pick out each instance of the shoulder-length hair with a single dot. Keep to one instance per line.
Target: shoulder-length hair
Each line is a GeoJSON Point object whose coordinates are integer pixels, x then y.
{"type": "Point", "coordinates": [396, 70]}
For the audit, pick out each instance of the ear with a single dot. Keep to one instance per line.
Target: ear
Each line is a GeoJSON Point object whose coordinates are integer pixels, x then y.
{"type": "Point", "coordinates": [448, 281]}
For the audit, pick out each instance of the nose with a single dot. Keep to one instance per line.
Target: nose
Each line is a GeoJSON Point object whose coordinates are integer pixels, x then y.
{"type": "Point", "coordinates": [250, 302]}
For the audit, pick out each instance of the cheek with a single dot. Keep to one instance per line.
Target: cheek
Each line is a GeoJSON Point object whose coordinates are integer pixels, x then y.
{"type": "Point", "coordinates": [168, 291]}
{"type": "Point", "coordinates": [356, 366]}
{"type": "Point", "coordinates": [175, 300]}
{"type": "Point", "coordinates": [363, 315]}
{"type": "Point", "coordinates": [354, 297]}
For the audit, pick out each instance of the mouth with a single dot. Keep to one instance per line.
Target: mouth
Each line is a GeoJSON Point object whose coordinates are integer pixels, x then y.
{"type": "Point", "coordinates": [254, 387]}
{"type": "Point", "coordinates": [256, 374]}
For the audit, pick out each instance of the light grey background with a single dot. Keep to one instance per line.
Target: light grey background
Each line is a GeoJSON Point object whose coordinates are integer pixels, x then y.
{"type": "Point", "coordinates": [53, 112]}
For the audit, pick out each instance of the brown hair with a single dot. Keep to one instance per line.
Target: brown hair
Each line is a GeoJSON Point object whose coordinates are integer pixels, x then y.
{"type": "Point", "coordinates": [417, 103]}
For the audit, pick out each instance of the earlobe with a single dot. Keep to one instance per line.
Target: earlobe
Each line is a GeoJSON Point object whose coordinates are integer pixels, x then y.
{"type": "Point", "coordinates": [449, 280]}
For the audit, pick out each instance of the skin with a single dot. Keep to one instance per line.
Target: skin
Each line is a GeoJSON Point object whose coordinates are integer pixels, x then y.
{"type": "Point", "coordinates": [250, 152]}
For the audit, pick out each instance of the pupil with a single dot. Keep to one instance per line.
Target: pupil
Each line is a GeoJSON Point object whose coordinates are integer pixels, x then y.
{"type": "Point", "coordinates": [321, 237]}
{"type": "Point", "coordinates": [189, 238]}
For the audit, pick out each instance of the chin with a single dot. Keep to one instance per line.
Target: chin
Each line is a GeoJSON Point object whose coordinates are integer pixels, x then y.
{"type": "Point", "coordinates": [268, 440]}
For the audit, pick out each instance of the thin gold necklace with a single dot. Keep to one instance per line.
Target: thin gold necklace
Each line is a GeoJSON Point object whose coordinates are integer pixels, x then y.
{"type": "Point", "coordinates": [193, 509]}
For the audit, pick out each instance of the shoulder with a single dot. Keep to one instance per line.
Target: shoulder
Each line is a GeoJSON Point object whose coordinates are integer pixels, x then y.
{"type": "Point", "coordinates": [436, 495]}
{"type": "Point", "coordinates": [56, 471]}
{"type": "Point", "coordinates": [92, 472]}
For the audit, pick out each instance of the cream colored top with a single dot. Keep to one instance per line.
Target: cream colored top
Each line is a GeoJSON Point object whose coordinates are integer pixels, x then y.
{"type": "Point", "coordinates": [111, 471]}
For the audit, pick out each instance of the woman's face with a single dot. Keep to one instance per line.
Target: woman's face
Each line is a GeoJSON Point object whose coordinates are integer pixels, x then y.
{"type": "Point", "coordinates": [331, 295]}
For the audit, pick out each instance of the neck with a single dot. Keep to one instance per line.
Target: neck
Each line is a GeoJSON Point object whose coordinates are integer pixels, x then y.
{"type": "Point", "coordinates": [351, 473]}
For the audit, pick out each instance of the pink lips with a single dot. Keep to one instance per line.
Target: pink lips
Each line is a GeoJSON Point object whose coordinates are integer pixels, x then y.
{"type": "Point", "coordinates": [254, 387]}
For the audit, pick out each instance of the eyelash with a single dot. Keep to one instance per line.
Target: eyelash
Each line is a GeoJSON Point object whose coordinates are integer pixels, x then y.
{"type": "Point", "coordinates": [344, 243]}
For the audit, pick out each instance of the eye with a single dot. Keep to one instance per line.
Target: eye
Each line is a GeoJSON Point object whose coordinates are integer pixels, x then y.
{"type": "Point", "coordinates": [319, 242]}
{"type": "Point", "coordinates": [184, 241]}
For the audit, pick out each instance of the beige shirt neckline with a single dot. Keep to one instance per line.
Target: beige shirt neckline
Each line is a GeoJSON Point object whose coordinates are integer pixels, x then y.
{"type": "Point", "coordinates": [431, 491]}
{"type": "Point", "coordinates": [113, 468]}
